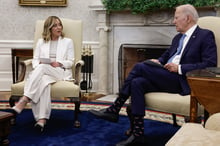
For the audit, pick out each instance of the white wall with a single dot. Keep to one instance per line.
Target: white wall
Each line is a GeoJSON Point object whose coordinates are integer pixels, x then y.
{"type": "Point", "coordinates": [17, 22]}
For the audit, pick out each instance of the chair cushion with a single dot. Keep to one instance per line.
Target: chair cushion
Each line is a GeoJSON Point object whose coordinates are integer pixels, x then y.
{"type": "Point", "coordinates": [17, 89]}
{"type": "Point", "coordinates": [58, 90]}
{"type": "Point", "coordinates": [169, 102]}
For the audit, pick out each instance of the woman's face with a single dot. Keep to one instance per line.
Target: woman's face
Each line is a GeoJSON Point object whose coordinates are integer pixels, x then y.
{"type": "Point", "coordinates": [56, 30]}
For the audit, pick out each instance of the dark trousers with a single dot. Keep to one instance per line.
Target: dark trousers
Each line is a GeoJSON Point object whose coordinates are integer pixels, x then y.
{"type": "Point", "coordinates": [145, 78]}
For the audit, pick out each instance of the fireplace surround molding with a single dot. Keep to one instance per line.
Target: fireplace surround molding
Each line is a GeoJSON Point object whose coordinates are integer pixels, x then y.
{"type": "Point", "coordinates": [122, 27]}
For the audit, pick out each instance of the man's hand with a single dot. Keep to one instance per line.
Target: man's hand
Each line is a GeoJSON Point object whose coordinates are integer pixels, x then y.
{"type": "Point", "coordinates": [172, 67]}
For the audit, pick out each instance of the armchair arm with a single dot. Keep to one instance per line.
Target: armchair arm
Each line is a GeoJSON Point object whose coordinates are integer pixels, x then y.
{"type": "Point", "coordinates": [78, 67]}
{"type": "Point", "coordinates": [213, 122]}
{"type": "Point", "coordinates": [24, 65]}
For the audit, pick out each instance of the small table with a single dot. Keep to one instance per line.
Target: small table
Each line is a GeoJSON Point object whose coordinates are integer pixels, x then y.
{"type": "Point", "coordinates": [5, 124]}
{"type": "Point", "coordinates": [205, 89]}
{"type": "Point", "coordinates": [16, 53]}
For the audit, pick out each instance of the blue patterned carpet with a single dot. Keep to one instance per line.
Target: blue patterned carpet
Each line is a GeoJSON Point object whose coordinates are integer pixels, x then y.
{"type": "Point", "coordinates": [93, 132]}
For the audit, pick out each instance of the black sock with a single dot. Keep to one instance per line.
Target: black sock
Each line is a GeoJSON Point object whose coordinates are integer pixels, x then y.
{"type": "Point", "coordinates": [138, 125]}
{"type": "Point", "coordinates": [118, 103]}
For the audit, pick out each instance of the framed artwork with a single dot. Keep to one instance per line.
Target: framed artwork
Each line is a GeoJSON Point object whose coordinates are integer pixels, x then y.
{"type": "Point", "coordinates": [43, 2]}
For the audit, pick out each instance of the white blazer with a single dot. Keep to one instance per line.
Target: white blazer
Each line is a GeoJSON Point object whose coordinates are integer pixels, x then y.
{"type": "Point", "coordinates": [64, 55]}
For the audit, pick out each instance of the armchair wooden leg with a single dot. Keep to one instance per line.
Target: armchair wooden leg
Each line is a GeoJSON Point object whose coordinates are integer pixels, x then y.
{"type": "Point", "coordinates": [77, 107]}
{"type": "Point", "coordinates": [4, 141]}
{"type": "Point", "coordinates": [174, 120]}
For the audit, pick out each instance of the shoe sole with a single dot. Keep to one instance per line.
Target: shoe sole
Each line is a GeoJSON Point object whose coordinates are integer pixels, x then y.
{"type": "Point", "coordinates": [97, 114]}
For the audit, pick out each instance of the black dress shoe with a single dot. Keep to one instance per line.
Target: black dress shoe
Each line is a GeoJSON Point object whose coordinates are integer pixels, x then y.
{"type": "Point", "coordinates": [105, 115]}
{"type": "Point", "coordinates": [11, 110]}
{"type": "Point", "coordinates": [132, 140]}
{"type": "Point", "coordinates": [39, 127]}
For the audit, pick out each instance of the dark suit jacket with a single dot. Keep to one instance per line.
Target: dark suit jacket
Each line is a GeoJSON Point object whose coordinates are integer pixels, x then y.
{"type": "Point", "coordinates": [199, 53]}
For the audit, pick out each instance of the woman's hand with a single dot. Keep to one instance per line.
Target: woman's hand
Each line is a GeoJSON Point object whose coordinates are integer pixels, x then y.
{"type": "Point", "coordinates": [56, 64]}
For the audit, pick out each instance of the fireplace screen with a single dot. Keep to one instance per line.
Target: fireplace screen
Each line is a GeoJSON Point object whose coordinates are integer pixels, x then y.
{"type": "Point", "coordinates": [129, 54]}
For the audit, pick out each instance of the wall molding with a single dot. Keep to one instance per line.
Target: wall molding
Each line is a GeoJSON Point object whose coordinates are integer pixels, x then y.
{"type": "Point", "coordinates": [16, 43]}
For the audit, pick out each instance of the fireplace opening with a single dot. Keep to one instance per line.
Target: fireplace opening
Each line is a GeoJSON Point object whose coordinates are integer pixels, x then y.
{"type": "Point", "coordinates": [130, 54]}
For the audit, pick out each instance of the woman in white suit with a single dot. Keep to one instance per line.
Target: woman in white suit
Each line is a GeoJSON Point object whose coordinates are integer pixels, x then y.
{"type": "Point", "coordinates": [52, 62]}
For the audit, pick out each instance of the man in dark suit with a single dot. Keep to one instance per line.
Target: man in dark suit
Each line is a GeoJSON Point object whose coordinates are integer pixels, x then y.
{"type": "Point", "coordinates": [192, 48]}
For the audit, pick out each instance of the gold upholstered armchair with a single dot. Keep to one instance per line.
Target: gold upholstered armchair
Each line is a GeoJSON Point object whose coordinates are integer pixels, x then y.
{"type": "Point", "coordinates": [61, 89]}
{"type": "Point", "coordinates": [177, 104]}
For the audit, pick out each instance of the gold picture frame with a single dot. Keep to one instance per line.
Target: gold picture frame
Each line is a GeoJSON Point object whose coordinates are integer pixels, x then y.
{"type": "Point", "coordinates": [43, 2]}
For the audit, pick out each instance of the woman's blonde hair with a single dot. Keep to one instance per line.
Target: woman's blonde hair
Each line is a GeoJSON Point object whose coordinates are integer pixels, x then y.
{"type": "Point", "coordinates": [48, 24]}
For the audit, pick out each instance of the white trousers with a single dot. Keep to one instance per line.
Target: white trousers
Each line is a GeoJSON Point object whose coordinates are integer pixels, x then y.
{"type": "Point", "coordinates": [37, 88]}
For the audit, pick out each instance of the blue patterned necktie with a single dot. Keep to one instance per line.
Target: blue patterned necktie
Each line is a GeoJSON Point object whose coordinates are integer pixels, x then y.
{"type": "Point", "coordinates": [178, 49]}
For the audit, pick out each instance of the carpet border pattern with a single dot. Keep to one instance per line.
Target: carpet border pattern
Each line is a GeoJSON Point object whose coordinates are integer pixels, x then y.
{"type": "Point", "coordinates": [85, 106]}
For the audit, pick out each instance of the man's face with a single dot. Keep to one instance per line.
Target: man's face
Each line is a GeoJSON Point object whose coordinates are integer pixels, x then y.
{"type": "Point", "coordinates": [180, 21]}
